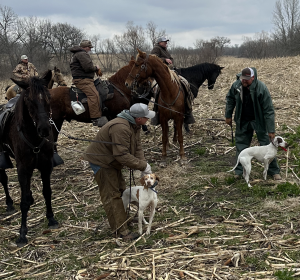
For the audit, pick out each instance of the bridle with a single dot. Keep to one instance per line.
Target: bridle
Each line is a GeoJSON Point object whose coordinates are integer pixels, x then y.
{"type": "Point", "coordinates": [142, 68]}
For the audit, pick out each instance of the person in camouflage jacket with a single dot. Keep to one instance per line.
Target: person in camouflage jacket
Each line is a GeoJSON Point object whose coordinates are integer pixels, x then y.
{"type": "Point", "coordinates": [25, 69]}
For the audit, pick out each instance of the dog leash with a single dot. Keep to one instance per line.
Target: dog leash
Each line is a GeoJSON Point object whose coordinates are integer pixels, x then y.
{"type": "Point", "coordinates": [153, 186]}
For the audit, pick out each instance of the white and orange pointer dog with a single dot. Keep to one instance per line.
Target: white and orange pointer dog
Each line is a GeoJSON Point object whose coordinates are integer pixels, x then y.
{"type": "Point", "coordinates": [143, 196]}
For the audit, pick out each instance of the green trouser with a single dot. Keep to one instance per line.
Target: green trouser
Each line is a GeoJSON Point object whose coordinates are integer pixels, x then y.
{"type": "Point", "coordinates": [111, 186]}
{"type": "Point", "coordinates": [243, 138]}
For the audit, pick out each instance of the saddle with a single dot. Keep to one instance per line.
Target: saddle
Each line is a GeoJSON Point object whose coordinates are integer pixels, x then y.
{"type": "Point", "coordinates": [104, 88]}
{"type": "Point", "coordinates": [6, 112]}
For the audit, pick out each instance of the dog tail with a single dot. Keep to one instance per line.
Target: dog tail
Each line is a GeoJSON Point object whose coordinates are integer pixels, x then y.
{"type": "Point", "coordinates": [238, 160]}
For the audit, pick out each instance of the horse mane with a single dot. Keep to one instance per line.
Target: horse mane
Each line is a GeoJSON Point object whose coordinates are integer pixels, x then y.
{"type": "Point", "coordinates": [174, 77]}
{"type": "Point", "coordinates": [120, 76]}
{"type": "Point", "coordinates": [202, 68]}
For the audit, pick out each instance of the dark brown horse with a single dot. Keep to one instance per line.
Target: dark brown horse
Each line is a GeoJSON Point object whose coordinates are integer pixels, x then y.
{"type": "Point", "coordinates": [171, 98]}
{"type": "Point", "coordinates": [61, 100]}
{"type": "Point", "coordinates": [28, 138]}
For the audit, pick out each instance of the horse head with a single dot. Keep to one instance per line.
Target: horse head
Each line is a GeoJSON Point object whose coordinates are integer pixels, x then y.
{"type": "Point", "coordinates": [57, 77]}
{"type": "Point", "coordinates": [214, 75]}
{"type": "Point", "coordinates": [139, 72]}
{"type": "Point", "coordinates": [34, 104]}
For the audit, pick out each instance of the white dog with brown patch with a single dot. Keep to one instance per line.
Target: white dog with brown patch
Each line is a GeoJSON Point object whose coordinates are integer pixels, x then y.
{"type": "Point", "coordinates": [143, 196]}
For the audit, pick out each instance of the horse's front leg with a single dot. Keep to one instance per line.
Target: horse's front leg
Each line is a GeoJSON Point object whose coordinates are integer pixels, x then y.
{"type": "Point", "coordinates": [24, 177]}
{"type": "Point", "coordinates": [9, 202]}
{"type": "Point", "coordinates": [47, 193]}
{"type": "Point", "coordinates": [179, 123]}
{"type": "Point", "coordinates": [165, 132]}
{"type": "Point", "coordinates": [175, 138]}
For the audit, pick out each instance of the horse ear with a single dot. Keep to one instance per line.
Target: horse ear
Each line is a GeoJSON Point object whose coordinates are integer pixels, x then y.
{"type": "Point", "coordinates": [21, 84]}
{"type": "Point", "coordinates": [46, 77]}
{"type": "Point", "coordinates": [141, 54]}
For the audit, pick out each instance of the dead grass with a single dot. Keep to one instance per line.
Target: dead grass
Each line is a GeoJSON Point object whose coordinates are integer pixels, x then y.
{"type": "Point", "coordinates": [207, 226]}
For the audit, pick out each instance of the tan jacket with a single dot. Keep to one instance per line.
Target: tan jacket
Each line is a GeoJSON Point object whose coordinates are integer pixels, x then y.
{"type": "Point", "coordinates": [24, 71]}
{"type": "Point", "coordinates": [129, 153]}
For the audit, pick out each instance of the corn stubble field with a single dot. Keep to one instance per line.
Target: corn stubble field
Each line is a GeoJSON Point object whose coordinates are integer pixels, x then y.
{"type": "Point", "coordinates": [208, 225]}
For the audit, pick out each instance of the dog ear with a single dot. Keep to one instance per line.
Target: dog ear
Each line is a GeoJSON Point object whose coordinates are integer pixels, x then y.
{"type": "Point", "coordinates": [142, 181]}
{"type": "Point", "coordinates": [279, 140]}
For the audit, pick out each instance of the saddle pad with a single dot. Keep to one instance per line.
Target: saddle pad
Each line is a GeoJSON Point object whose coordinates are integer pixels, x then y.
{"type": "Point", "coordinates": [189, 95]}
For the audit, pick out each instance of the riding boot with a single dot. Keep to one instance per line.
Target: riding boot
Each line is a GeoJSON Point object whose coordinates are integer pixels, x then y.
{"type": "Point", "coordinates": [5, 161]}
{"type": "Point", "coordinates": [100, 121]}
{"type": "Point", "coordinates": [189, 118]}
{"type": "Point", "coordinates": [57, 160]}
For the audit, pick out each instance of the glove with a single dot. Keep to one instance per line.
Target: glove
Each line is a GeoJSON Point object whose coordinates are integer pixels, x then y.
{"type": "Point", "coordinates": [147, 170]}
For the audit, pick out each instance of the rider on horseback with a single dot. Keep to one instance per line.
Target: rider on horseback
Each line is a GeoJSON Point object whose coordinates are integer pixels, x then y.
{"type": "Point", "coordinates": [83, 71]}
{"type": "Point", "coordinates": [160, 50]}
{"type": "Point", "coordinates": [24, 69]}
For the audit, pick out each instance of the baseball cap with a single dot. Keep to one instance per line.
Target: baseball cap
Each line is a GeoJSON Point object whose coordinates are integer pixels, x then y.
{"type": "Point", "coordinates": [162, 39]}
{"type": "Point", "coordinates": [24, 56]}
{"type": "Point", "coordinates": [247, 74]}
{"type": "Point", "coordinates": [86, 43]}
{"type": "Point", "coordinates": [140, 110]}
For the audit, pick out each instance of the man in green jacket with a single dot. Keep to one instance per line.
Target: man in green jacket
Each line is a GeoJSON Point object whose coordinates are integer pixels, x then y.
{"type": "Point", "coordinates": [116, 145]}
{"type": "Point", "coordinates": [254, 111]}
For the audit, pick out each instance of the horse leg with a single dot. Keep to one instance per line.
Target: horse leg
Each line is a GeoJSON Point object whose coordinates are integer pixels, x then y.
{"type": "Point", "coordinates": [180, 140]}
{"type": "Point", "coordinates": [175, 138]}
{"type": "Point", "coordinates": [56, 127]}
{"type": "Point", "coordinates": [47, 192]}
{"type": "Point", "coordinates": [165, 132]}
{"type": "Point", "coordinates": [24, 176]}
{"type": "Point", "coordinates": [9, 202]}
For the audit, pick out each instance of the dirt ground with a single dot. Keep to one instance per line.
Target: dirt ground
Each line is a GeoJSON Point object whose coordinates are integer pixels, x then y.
{"type": "Point", "coordinates": [208, 225]}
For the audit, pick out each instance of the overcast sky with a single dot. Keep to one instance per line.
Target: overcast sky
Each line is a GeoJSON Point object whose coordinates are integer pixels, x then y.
{"type": "Point", "coordinates": [184, 20]}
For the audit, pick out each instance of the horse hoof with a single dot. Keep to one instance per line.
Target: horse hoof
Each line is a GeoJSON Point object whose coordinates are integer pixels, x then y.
{"type": "Point", "coordinates": [53, 224]}
{"type": "Point", "coordinates": [21, 241]}
{"type": "Point", "coordinates": [163, 164]}
{"type": "Point", "coordinates": [10, 210]}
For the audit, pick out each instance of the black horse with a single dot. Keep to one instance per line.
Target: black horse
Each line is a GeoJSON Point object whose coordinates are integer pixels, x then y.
{"type": "Point", "coordinates": [197, 74]}
{"type": "Point", "coordinates": [27, 137]}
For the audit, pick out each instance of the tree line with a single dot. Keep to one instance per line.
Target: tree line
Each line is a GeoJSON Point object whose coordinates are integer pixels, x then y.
{"type": "Point", "coordinates": [47, 43]}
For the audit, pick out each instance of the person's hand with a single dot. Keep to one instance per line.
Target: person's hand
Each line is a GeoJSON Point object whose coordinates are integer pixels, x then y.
{"type": "Point", "coordinates": [271, 136]}
{"type": "Point", "coordinates": [147, 170]}
{"type": "Point", "coordinates": [229, 121]}
{"type": "Point", "coordinates": [169, 61]}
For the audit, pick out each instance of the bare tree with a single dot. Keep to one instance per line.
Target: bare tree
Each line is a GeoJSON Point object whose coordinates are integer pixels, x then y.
{"type": "Point", "coordinates": [9, 36]}
{"type": "Point", "coordinates": [153, 33]}
{"type": "Point", "coordinates": [128, 43]}
{"type": "Point", "coordinates": [286, 18]}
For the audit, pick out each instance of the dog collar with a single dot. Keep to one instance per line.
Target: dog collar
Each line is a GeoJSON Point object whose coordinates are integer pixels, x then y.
{"type": "Point", "coordinates": [153, 186]}
{"type": "Point", "coordinates": [283, 148]}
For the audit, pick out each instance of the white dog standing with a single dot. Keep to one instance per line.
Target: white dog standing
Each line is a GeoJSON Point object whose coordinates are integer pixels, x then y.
{"type": "Point", "coordinates": [263, 154]}
{"type": "Point", "coordinates": [143, 196]}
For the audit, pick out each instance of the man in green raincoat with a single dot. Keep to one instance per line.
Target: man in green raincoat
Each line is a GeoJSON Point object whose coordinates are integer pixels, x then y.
{"type": "Point", "coordinates": [254, 111]}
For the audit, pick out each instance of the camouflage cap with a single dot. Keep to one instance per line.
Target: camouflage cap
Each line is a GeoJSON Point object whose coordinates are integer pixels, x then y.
{"type": "Point", "coordinates": [86, 43]}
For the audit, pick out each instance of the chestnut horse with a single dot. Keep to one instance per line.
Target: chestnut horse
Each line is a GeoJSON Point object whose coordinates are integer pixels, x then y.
{"type": "Point", "coordinates": [56, 77]}
{"type": "Point", "coordinates": [28, 138]}
{"type": "Point", "coordinates": [171, 100]}
{"type": "Point", "coordinates": [61, 100]}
